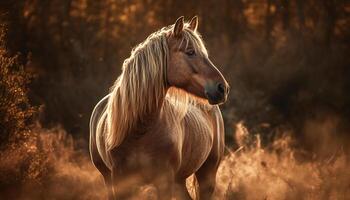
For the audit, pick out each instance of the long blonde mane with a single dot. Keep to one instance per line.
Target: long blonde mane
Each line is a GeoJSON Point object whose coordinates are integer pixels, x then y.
{"type": "Point", "coordinates": [141, 87]}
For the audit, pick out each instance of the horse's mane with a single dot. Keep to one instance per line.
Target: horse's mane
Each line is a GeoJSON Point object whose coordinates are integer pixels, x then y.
{"type": "Point", "coordinates": [140, 89]}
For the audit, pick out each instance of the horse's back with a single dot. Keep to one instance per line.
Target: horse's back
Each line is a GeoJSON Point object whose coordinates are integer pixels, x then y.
{"type": "Point", "coordinates": [95, 152]}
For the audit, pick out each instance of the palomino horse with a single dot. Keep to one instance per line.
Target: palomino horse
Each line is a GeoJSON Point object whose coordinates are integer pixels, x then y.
{"type": "Point", "coordinates": [160, 123]}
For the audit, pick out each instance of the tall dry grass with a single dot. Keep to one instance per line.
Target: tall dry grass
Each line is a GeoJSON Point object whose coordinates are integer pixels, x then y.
{"type": "Point", "coordinates": [49, 167]}
{"type": "Point", "coordinates": [280, 171]}
{"type": "Point", "coordinates": [276, 171]}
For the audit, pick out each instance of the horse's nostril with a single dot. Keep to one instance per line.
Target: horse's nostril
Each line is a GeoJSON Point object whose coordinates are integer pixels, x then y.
{"type": "Point", "coordinates": [221, 88]}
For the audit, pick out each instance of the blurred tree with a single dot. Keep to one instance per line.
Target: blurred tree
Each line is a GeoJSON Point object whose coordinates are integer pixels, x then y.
{"type": "Point", "coordinates": [15, 111]}
{"type": "Point", "coordinates": [269, 50]}
{"type": "Point", "coordinates": [22, 159]}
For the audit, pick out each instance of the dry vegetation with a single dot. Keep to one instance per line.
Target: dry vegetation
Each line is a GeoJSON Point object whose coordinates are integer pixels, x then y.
{"type": "Point", "coordinates": [59, 171]}
{"type": "Point", "coordinates": [287, 119]}
{"type": "Point", "coordinates": [277, 172]}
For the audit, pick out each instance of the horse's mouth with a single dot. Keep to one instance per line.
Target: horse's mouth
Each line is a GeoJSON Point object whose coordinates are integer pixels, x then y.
{"type": "Point", "coordinates": [215, 99]}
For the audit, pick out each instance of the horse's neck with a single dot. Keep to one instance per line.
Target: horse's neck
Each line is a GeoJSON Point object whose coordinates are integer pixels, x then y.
{"type": "Point", "coordinates": [148, 119]}
{"type": "Point", "coordinates": [145, 123]}
{"type": "Point", "coordinates": [164, 113]}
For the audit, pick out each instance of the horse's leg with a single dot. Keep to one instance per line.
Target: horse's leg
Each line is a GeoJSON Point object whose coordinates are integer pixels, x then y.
{"type": "Point", "coordinates": [181, 191]}
{"type": "Point", "coordinates": [121, 189]}
{"type": "Point", "coordinates": [108, 184]}
{"type": "Point", "coordinates": [165, 186]}
{"type": "Point", "coordinates": [126, 186]}
{"type": "Point", "coordinates": [106, 173]}
{"type": "Point", "coordinates": [206, 174]}
{"type": "Point", "coordinates": [206, 177]}
{"type": "Point", "coordinates": [104, 170]}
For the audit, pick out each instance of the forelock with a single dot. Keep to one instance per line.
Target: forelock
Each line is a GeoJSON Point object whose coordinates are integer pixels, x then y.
{"type": "Point", "coordinates": [195, 39]}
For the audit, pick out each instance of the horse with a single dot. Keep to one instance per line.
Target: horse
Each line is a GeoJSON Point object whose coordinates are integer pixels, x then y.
{"type": "Point", "coordinates": [161, 122]}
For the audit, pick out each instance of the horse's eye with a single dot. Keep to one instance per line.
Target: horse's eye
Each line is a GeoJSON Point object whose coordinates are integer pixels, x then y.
{"type": "Point", "coordinates": [190, 52]}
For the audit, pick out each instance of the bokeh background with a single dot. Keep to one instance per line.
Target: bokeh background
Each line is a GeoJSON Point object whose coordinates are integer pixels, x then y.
{"type": "Point", "coordinates": [287, 117]}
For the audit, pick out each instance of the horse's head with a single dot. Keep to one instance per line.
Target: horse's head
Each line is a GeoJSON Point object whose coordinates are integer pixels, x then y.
{"type": "Point", "coordinates": [189, 67]}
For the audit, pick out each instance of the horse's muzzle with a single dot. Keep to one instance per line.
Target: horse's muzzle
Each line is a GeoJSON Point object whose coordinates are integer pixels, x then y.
{"type": "Point", "coordinates": [216, 92]}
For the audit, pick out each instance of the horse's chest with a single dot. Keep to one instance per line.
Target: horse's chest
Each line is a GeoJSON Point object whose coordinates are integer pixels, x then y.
{"type": "Point", "coordinates": [150, 153]}
{"type": "Point", "coordinates": [182, 146]}
{"type": "Point", "coordinates": [197, 144]}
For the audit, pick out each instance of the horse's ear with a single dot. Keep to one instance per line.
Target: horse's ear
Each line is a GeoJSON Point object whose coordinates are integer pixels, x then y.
{"type": "Point", "coordinates": [194, 24]}
{"type": "Point", "coordinates": [179, 26]}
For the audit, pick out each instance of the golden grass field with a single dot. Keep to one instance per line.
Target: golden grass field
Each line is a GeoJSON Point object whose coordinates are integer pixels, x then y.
{"type": "Point", "coordinates": [250, 172]}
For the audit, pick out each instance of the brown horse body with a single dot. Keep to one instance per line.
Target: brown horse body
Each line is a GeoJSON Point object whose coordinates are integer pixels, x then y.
{"type": "Point", "coordinates": [169, 140]}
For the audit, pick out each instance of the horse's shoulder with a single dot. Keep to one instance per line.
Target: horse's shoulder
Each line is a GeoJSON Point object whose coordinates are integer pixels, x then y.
{"type": "Point", "coordinates": [214, 110]}
{"type": "Point", "coordinates": [211, 111]}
